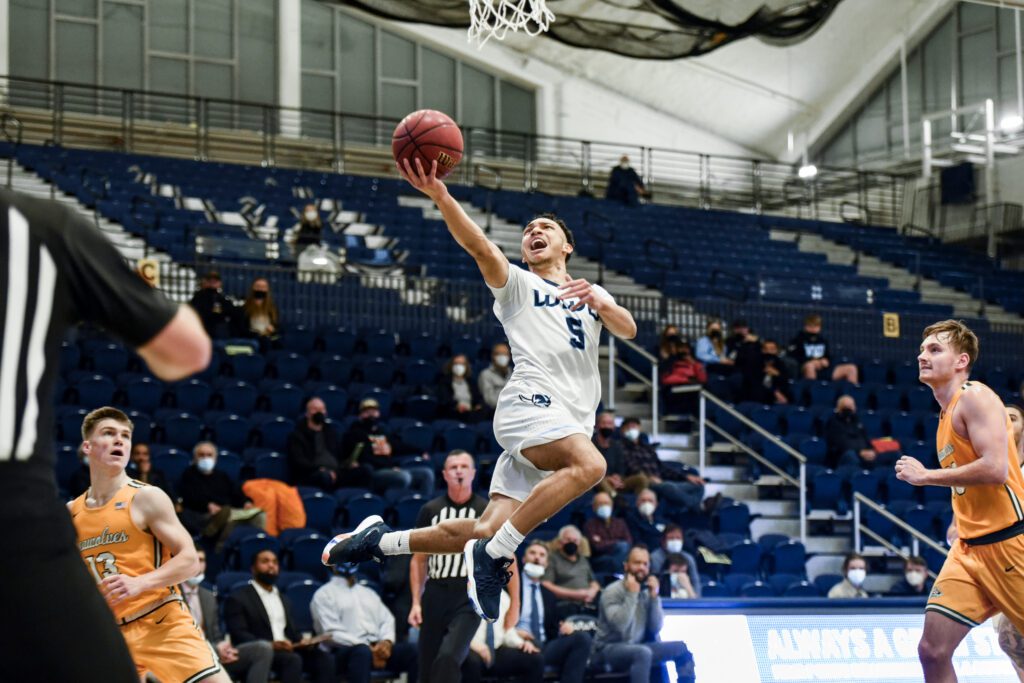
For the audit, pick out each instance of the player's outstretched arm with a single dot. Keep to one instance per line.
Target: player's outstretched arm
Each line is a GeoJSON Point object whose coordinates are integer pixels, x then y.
{"type": "Point", "coordinates": [156, 513]}
{"type": "Point", "coordinates": [470, 236]}
{"type": "Point", "coordinates": [984, 419]}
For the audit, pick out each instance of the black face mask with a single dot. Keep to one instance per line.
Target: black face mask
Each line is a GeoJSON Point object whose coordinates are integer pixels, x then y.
{"type": "Point", "coordinates": [266, 578]}
{"type": "Point", "coordinates": [606, 432]}
{"type": "Point", "coordinates": [845, 413]}
{"type": "Point", "coordinates": [259, 296]}
{"type": "Point", "coordinates": [318, 418]}
{"type": "Point", "coordinates": [715, 334]}
{"type": "Point", "coordinates": [570, 549]}
{"type": "Point", "coordinates": [369, 422]}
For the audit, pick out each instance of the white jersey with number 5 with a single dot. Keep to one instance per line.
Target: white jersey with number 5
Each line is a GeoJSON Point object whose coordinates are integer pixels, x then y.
{"type": "Point", "coordinates": [555, 349]}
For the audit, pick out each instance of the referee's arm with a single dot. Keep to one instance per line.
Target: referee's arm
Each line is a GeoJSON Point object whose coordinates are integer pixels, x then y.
{"type": "Point", "coordinates": [180, 349]}
{"type": "Point", "coordinates": [417, 580]}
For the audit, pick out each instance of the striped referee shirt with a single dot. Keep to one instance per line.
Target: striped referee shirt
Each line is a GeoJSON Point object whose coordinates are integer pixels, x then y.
{"type": "Point", "coordinates": [56, 269]}
{"type": "Point", "coordinates": [438, 510]}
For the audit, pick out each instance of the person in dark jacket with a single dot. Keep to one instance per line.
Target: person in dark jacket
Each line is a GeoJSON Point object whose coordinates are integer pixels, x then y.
{"type": "Point", "coordinates": [208, 494]}
{"type": "Point", "coordinates": [611, 448]}
{"type": "Point", "coordinates": [310, 230]}
{"type": "Point", "coordinates": [314, 452]}
{"type": "Point", "coordinates": [458, 396]}
{"type": "Point", "coordinates": [765, 377]}
{"type": "Point", "coordinates": [846, 440]}
{"type": "Point", "coordinates": [915, 581]}
{"type": "Point", "coordinates": [625, 185]}
{"type": "Point", "coordinates": [810, 350]}
{"type": "Point", "coordinates": [367, 445]}
{"type": "Point", "coordinates": [262, 612]}
{"type": "Point", "coordinates": [217, 312]}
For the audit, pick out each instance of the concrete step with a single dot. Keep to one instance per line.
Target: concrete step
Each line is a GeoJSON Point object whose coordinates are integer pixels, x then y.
{"type": "Point", "coordinates": [772, 508]}
{"type": "Point", "coordinates": [735, 489]}
{"type": "Point", "coordinates": [829, 544]}
{"type": "Point", "coordinates": [774, 525]}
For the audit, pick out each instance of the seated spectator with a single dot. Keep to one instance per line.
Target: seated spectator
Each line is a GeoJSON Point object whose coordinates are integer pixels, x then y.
{"type": "Point", "coordinates": [765, 377]}
{"type": "Point", "coordinates": [569, 575]}
{"type": "Point", "coordinates": [915, 579]}
{"type": "Point", "coordinates": [810, 350]}
{"type": "Point", "coordinates": [144, 470]}
{"type": "Point", "coordinates": [711, 349]}
{"type": "Point", "coordinates": [457, 396]}
{"type": "Point", "coordinates": [629, 622]}
{"type": "Point", "coordinates": [314, 453]}
{"type": "Point", "coordinates": [260, 612]}
{"type": "Point", "coordinates": [681, 585]}
{"type": "Point", "coordinates": [644, 521]}
{"type": "Point", "coordinates": [625, 185]}
{"type": "Point", "coordinates": [367, 445]}
{"type": "Point", "coordinates": [672, 545]}
{"type": "Point", "coordinates": [494, 377]}
{"type": "Point", "coordinates": [250, 661]}
{"type": "Point", "coordinates": [846, 440]}
{"type": "Point", "coordinates": [260, 317]}
{"type": "Point", "coordinates": [217, 312]}
{"type": "Point", "coordinates": [564, 649]}
{"type": "Point", "coordinates": [80, 478]}
{"type": "Point", "coordinates": [611, 448]}
{"type": "Point", "coordinates": [309, 230]}
{"type": "Point", "coordinates": [208, 496]}
{"type": "Point", "coordinates": [855, 570]}
{"type": "Point", "coordinates": [666, 341]}
{"type": "Point", "coordinates": [608, 536]}
{"type": "Point", "coordinates": [679, 485]}
{"type": "Point", "coordinates": [739, 335]}
{"type": "Point", "coordinates": [680, 369]}
{"type": "Point", "coordinates": [359, 628]}
{"type": "Point", "coordinates": [502, 653]}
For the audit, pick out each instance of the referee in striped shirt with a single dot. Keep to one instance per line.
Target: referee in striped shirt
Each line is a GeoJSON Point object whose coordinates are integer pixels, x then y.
{"type": "Point", "coordinates": [441, 609]}
{"type": "Point", "coordinates": [57, 269]}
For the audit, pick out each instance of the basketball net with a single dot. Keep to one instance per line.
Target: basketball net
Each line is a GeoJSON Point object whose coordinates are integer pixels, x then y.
{"type": "Point", "coordinates": [495, 18]}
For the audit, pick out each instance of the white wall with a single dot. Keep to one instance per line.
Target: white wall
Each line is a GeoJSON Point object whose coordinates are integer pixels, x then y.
{"type": "Point", "coordinates": [573, 107]}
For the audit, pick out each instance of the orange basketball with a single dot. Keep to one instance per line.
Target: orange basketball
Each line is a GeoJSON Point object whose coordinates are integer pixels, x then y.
{"type": "Point", "coordinates": [428, 135]}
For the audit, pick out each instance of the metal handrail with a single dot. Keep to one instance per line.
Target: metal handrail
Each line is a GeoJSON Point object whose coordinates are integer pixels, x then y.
{"type": "Point", "coordinates": [652, 383]}
{"type": "Point", "coordinates": [801, 460]}
{"type": "Point", "coordinates": [916, 536]}
{"type": "Point", "coordinates": [6, 119]}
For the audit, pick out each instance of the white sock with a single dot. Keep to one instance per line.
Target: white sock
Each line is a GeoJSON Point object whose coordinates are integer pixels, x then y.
{"type": "Point", "coordinates": [505, 542]}
{"type": "Point", "coordinates": [395, 543]}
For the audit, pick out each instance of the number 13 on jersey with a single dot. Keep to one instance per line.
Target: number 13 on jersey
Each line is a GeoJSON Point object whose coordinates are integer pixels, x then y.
{"type": "Point", "coordinates": [102, 565]}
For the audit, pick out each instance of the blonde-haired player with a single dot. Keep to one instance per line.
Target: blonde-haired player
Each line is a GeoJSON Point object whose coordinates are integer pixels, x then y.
{"type": "Point", "coordinates": [984, 571]}
{"type": "Point", "coordinates": [132, 542]}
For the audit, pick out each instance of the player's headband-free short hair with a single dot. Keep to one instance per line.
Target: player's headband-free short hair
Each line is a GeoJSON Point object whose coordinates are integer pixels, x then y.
{"type": "Point", "coordinates": [958, 336]}
{"type": "Point", "coordinates": [457, 452]}
{"type": "Point", "coordinates": [565, 230]}
{"type": "Point", "coordinates": [100, 414]}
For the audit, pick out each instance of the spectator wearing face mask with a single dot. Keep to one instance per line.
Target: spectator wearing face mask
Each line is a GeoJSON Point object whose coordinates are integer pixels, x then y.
{"type": "Point", "coordinates": [609, 536]}
{"type": "Point", "coordinates": [810, 350]}
{"type": "Point", "coordinates": [846, 440]}
{"type": "Point", "coordinates": [310, 229]}
{"type": "Point", "coordinates": [217, 312]}
{"type": "Point", "coordinates": [208, 495]}
{"type": "Point", "coordinates": [855, 570]}
{"type": "Point", "coordinates": [367, 444]}
{"type": "Point", "coordinates": [611, 448]}
{"type": "Point", "coordinates": [915, 579]}
{"type": "Point", "coordinates": [624, 184]}
{"type": "Point", "coordinates": [493, 379]}
{"type": "Point", "coordinates": [645, 521]}
{"type": "Point", "coordinates": [681, 369]}
{"type": "Point", "coordinates": [569, 575]}
{"type": "Point", "coordinates": [765, 377]}
{"type": "Point", "coordinates": [672, 545]}
{"type": "Point", "coordinates": [259, 312]}
{"type": "Point", "coordinates": [458, 397]}
{"type": "Point", "coordinates": [711, 349]}
{"type": "Point", "coordinates": [314, 452]}
{"type": "Point", "coordinates": [666, 342]}
{"type": "Point", "coordinates": [677, 582]}
{"type": "Point", "coordinates": [682, 487]}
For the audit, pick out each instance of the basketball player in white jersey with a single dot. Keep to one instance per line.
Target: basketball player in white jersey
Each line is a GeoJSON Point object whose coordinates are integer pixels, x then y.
{"type": "Point", "coordinates": [545, 414]}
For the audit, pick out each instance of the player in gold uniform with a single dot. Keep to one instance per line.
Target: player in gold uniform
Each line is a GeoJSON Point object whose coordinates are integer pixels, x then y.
{"type": "Point", "coordinates": [138, 551]}
{"type": "Point", "coordinates": [984, 572]}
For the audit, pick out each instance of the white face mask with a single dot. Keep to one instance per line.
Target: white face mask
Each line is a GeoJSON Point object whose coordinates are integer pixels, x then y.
{"type": "Point", "coordinates": [532, 570]}
{"type": "Point", "coordinates": [195, 580]}
{"type": "Point", "coordinates": [674, 545]}
{"type": "Point", "coordinates": [502, 361]}
{"type": "Point", "coordinates": [458, 369]}
{"type": "Point", "coordinates": [206, 465]}
{"type": "Point", "coordinates": [85, 460]}
{"type": "Point", "coordinates": [604, 511]}
{"type": "Point", "coordinates": [915, 578]}
{"type": "Point", "coordinates": [632, 434]}
{"type": "Point", "coordinates": [646, 509]}
{"type": "Point", "coordinates": [856, 576]}
{"type": "Point", "coordinates": [311, 216]}
{"type": "Point", "coordinates": [623, 164]}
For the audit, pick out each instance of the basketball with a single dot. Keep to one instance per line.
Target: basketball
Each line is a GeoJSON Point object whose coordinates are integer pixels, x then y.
{"type": "Point", "coordinates": [428, 135]}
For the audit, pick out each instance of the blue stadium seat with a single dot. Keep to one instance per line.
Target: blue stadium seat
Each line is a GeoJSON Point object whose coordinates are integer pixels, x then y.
{"type": "Point", "coordinates": [823, 394]}
{"type": "Point", "coordinates": [335, 369]}
{"type": "Point", "coordinates": [769, 541]}
{"type": "Point", "coordinates": [423, 408]}
{"type": "Point", "coordinates": [407, 510]}
{"type": "Point", "coordinates": [239, 397]}
{"type": "Point", "coordinates": [814, 449]}
{"type": "Point", "coordinates": [249, 368]}
{"type": "Point", "coordinates": [273, 434]}
{"type": "Point", "coordinates": [423, 346]}
{"type": "Point", "coordinates": [921, 399]}
{"type": "Point", "coordinates": [746, 558]}
{"type": "Point", "coordinates": [287, 578]}
{"type": "Point", "coordinates": [285, 399]}
{"type": "Point", "coordinates": [336, 400]}
{"type": "Point", "coordinates": [272, 466]}
{"type": "Point", "coordinates": [756, 589]}
{"type": "Point", "coordinates": [289, 536]}
{"type": "Point", "coordinates": [827, 488]}
{"type": "Point", "coordinates": [420, 373]}
{"type": "Point", "coordinates": [182, 430]}
{"type": "Point", "coordinates": [736, 582]}
{"type": "Point", "coordinates": [872, 422]}
{"type": "Point", "coordinates": [378, 371]}
{"type": "Point", "coordinates": [231, 432]}
{"type": "Point", "coordinates": [301, 597]}
{"type": "Point", "coordinates": [713, 589]}
{"type": "Point", "coordinates": [905, 373]}
{"type": "Point", "coordinates": [338, 341]}
{"type": "Point", "coordinates": [250, 545]}
{"type": "Point", "coordinates": [306, 552]}
{"type": "Point", "coordinates": [227, 579]}
{"type": "Point", "coordinates": [192, 396]}
{"type": "Point", "coordinates": [923, 519]}
{"type": "Point", "coordinates": [866, 483]}
{"type": "Point", "coordinates": [320, 511]}
{"type": "Point", "coordinates": [290, 367]}
{"type": "Point", "coordinates": [459, 437]}
{"type": "Point", "coordinates": [70, 356]}
{"type": "Point", "coordinates": [173, 464]}
{"type": "Point", "coordinates": [230, 464]}
{"type": "Point", "coordinates": [298, 339]}
{"type": "Point", "coordinates": [95, 390]}
{"type": "Point", "coordinates": [360, 507]}
{"type": "Point", "coordinates": [824, 582]}
{"type": "Point", "coordinates": [801, 589]}
{"type": "Point", "coordinates": [875, 372]}
{"type": "Point", "coordinates": [903, 427]}
{"type": "Point", "coordinates": [110, 359]}
{"type": "Point", "coordinates": [733, 518]}
{"type": "Point", "coordinates": [418, 437]}
{"type": "Point", "coordinates": [69, 423]}
{"type": "Point", "coordinates": [889, 399]}
{"type": "Point", "coordinates": [789, 558]}
{"type": "Point", "coordinates": [897, 490]}
{"type": "Point", "coordinates": [380, 343]}
{"type": "Point", "coordinates": [800, 421]}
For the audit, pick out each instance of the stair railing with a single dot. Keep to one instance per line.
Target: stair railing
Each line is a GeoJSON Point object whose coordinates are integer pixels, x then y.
{"type": "Point", "coordinates": [705, 424]}
{"type": "Point", "coordinates": [860, 501]}
{"type": "Point", "coordinates": [651, 381]}
{"type": "Point", "coordinates": [8, 121]}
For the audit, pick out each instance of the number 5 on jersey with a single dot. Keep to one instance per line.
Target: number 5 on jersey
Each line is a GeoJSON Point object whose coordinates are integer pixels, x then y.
{"type": "Point", "coordinates": [577, 340]}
